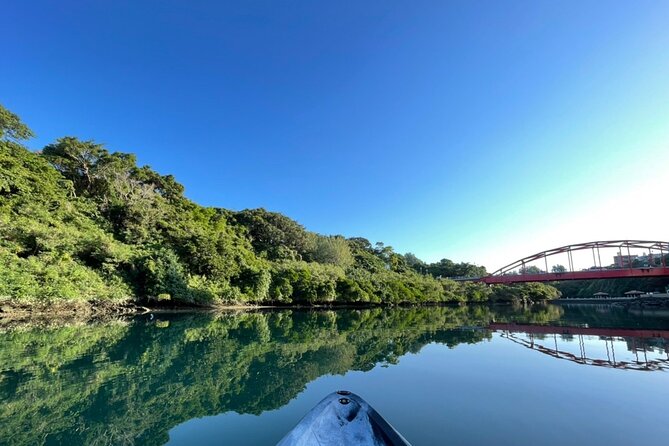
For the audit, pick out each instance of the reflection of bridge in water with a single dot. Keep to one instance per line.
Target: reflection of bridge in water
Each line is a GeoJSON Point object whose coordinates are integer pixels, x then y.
{"type": "Point", "coordinates": [650, 347]}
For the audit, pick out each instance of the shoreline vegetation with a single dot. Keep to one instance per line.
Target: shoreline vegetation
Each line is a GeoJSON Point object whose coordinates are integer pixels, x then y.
{"type": "Point", "coordinates": [15, 314]}
{"type": "Point", "coordinates": [85, 227]}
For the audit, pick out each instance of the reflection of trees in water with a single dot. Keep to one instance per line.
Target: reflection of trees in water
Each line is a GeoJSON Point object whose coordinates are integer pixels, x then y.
{"type": "Point", "coordinates": [528, 314]}
{"type": "Point", "coordinates": [659, 346]}
{"type": "Point", "coordinates": [612, 316]}
{"type": "Point", "coordinates": [125, 382]}
{"type": "Point", "coordinates": [130, 382]}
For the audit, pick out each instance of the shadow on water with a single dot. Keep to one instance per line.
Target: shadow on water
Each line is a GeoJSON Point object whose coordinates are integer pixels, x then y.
{"type": "Point", "coordinates": [131, 381]}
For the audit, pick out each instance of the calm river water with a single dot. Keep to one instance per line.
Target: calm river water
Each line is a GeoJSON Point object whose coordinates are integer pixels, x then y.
{"type": "Point", "coordinates": [441, 376]}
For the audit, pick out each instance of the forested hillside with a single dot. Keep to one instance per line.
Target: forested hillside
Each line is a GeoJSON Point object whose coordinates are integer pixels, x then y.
{"type": "Point", "coordinates": [617, 287]}
{"type": "Point", "coordinates": [78, 221]}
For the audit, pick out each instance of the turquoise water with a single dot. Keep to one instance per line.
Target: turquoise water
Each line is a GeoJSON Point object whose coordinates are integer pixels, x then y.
{"type": "Point", "coordinates": [460, 376]}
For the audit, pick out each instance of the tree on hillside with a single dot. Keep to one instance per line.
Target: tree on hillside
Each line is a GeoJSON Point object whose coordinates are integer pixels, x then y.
{"type": "Point", "coordinates": [383, 252]}
{"type": "Point", "coordinates": [90, 166]}
{"type": "Point", "coordinates": [130, 197]}
{"type": "Point", "coordinates": [365, 255]}
{"type": "Point", "coordinates": [448, 268]}
{"type": "Point", "coordinates": [530, 270]}
{"type": "Point", "coordinates": [413, 261]}
{"type": "Point", "coordinates": [331, 249]}
{"type": "Point", "coordinates": [11, 127]}
{"type": "Point", "coordinates": [165, 185]}
{"type": "Point", "coordinates": [360, 243]}
{"type": "Point", "coordinates": [274, 234]}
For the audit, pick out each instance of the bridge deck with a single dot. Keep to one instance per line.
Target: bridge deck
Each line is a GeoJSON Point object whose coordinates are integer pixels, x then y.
{"type": "Point", "coordinates": [578, 275]}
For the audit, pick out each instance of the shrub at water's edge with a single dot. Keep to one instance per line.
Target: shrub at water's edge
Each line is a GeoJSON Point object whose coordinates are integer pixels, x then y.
{"type": "Point", "coordinates": [78, 222]}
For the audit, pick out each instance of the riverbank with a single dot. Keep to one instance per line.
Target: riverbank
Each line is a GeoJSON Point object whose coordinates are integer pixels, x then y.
{"type": "Point", "coordinates": [48, 313]}
{"type": "Point", "coordinates": [628, 302]}
{"type": "Point", "coordinates": [593, 300]}
{"type": "Point", "coordinates": [83, 309]}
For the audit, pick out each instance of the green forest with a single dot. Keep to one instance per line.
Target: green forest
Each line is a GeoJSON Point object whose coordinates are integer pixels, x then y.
{"type": "Point", "coordinates": [79, 222]}
{"type": "Point", "coordinates": [614, 287]}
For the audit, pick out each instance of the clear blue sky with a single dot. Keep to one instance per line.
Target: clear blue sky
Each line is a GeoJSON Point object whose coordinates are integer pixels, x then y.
{"type": "Point", "coordinates": [474, 130]}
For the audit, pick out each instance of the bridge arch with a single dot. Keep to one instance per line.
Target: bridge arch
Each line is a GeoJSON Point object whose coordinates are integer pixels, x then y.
{"type": "Point", "coordinates": [517, 271]}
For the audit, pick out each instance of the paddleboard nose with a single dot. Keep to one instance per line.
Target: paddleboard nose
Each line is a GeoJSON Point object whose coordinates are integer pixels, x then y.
{"type": "Point", "coordinates": [343, 418]}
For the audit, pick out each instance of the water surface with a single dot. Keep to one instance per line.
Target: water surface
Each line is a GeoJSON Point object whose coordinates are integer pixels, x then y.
{"type": "Point", "coordinates": [440, 375]}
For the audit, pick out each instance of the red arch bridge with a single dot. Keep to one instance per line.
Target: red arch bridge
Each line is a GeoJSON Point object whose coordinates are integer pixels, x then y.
{"type": "Point", "coordinates": [655, 265]}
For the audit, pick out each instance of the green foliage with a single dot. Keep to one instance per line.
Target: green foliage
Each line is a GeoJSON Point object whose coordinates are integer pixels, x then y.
{"type": "Point", "coordinates": [476, 292]}
{"type": "Point", "coordinates": [618, 287]}
{"type": "Point", "coordinates": [530, 270]}
{"type": "Point", "coordinates": [50, 248]}
{"type": "Point", "coordinates": [348, 290]}
{"type": "Point", "coordinates": [80, 222]}
{"type": "Point", "coordinates": [414, 262]}
{"type": "Point", "coordinates": [25, 177]}
{"type": "Point", "coordinates": [447, 268]}
{"type": "Point", "coordinates": [133, 200]}
{"type": "Point", "coordinates": [11, 127]}
{"type": "Point", "coordinates": [527, 292]}
{"type": "Point", "coordinates": [305, 282]}
{"type": "Point", "coordinates": [274, 235]}
{"type": "Point", "coordinates": [89, 166]}
{"type": "Point", "coordinates": [40, 279]}
{"type": "Point", "coordinates": [365, 256]}
{"type": "Point", "coordinates": [331, 249]}
{"type": "Point", "coordinates": [160, 273]}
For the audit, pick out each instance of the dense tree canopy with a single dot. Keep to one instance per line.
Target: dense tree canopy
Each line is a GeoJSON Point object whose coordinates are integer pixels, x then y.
{"type": "Point", "coordinates": [587, 288]}
{"type": "Point", "coordinates": [275, 236]}
{"type": "Point", "coordinates": [78, 221]}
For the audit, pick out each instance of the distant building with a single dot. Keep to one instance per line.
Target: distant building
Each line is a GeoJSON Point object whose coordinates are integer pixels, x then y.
{"type": "Point", "coordinates": [652, 259]}
{"type": "Point", "coordinates": [624, 261]}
